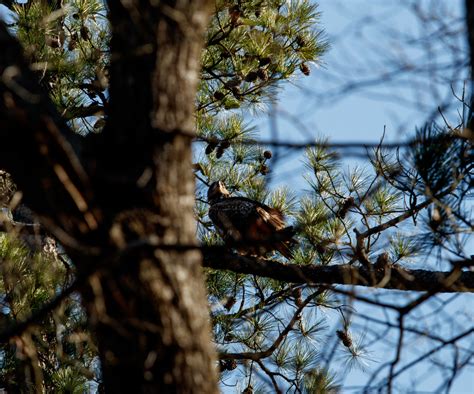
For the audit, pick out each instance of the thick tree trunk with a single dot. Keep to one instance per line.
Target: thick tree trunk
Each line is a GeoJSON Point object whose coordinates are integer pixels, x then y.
{"type": "Point", "coordinates": [150, 313]}
{"type": "Point", "coordinates": [127, 217]}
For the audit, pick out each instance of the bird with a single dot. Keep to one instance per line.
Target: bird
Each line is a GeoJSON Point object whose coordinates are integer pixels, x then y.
{"type": "Point", "coordinates": [252, 228]}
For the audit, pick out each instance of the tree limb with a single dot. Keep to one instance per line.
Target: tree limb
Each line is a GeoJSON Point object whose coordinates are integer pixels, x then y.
{"type": "Point", "coordinates": [84, 111]}
{"type": "Point", "coordinates": [397, 278]}
{"type": "Point", "coordinates": [256, 356]}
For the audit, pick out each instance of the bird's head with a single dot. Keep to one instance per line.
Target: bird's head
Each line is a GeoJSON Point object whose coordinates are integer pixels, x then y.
{"type": "Point", "coordinates": [217, 191]}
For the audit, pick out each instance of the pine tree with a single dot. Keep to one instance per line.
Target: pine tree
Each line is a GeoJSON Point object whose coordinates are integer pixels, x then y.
{"type": "Point", "coordinates": [128, 249]}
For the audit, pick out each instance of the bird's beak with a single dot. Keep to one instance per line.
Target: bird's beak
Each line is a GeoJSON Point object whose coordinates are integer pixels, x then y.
{"type": "Point", "coordinates": [222, 189]}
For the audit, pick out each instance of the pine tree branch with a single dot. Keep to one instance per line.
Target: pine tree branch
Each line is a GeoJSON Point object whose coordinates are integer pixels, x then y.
{"type": "Point", "coordinates": [255, 356]}
{"type": "Point", "coordinates": [269, 301]}
{"type": "Point", "coordinates": [396, 220]}
{"type": "Point", "coordinates": [393, 277]}
{"type": "Point", "coordinates": [19, 327]}
{"type": "Point", "coordinates": [271, 375]}
{"type": "Point", "coordinates": [84, 111]}
{"type": "Point", "coordinates": [38, 148]}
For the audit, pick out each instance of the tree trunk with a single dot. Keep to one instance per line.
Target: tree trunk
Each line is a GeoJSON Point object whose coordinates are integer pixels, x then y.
{"type": "Point", "coordinates": [150, 312]}
{"type": "Point", "coordinates": [125, 211]}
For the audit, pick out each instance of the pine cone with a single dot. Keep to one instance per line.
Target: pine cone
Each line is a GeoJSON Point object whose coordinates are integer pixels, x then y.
{"type": "Point", "coordinates": [251, 76]}
{"type": "Point", "coordinates": [84, 32]}
{"type": "Point", "coordinates": [219, 152]}
{"type": "Point", "coordinates": [230, 303]}
{"type": "Point", "coordinates": [305, 69]}
{"type": "Point", "coordinates": [219, 95]}
{"type": "Point", "coordinates": [262, 74]}
{"type": "Point", "coordinates": [345, 338]}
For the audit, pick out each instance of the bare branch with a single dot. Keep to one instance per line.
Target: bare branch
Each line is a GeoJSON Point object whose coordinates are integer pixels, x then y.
{"type": "Point", "coordinates": [399, 278]}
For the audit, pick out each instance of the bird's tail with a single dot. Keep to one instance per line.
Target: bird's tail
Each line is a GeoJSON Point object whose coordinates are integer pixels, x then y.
{"type": "Point", "coordinates": [286, 242]}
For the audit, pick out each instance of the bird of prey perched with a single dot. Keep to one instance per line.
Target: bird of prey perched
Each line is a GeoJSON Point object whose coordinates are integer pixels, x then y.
{"type": "Point", "coordinates": [247, 225]}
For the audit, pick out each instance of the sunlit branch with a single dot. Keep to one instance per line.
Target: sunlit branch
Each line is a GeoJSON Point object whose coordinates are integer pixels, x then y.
{"type": "Point", "coordinates": [399, 278]}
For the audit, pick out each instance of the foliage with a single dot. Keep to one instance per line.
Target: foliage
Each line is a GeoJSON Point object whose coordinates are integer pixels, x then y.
{"type": "Point", "coordinates": [58, 353]}
{"type": "Point", "coordinates": [68, 47]}
{"type": "Point", "coordinates": [251, 47]}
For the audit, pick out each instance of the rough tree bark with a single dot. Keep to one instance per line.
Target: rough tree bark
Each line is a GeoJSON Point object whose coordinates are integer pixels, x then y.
{"type": "Point", "coordinates": [151, 315]}
{"type": "Point", "coordinates": [120, 209]}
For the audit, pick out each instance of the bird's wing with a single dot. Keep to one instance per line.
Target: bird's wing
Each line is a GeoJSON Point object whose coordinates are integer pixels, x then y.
{"type": "Point", "coordinates": [241, 217]}
{"type": "Point", "coordinates": [228, 228]}
{"type": "Point", "coordinates": [231, 216]}
{"type": "Point", "coordinates": [271, 216]}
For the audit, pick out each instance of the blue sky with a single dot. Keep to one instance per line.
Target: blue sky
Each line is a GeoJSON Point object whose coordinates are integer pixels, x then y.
{"type": "Point", "coordinates": [361, 51]}
{"type": "Point", "coordinates": [358, 54]}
